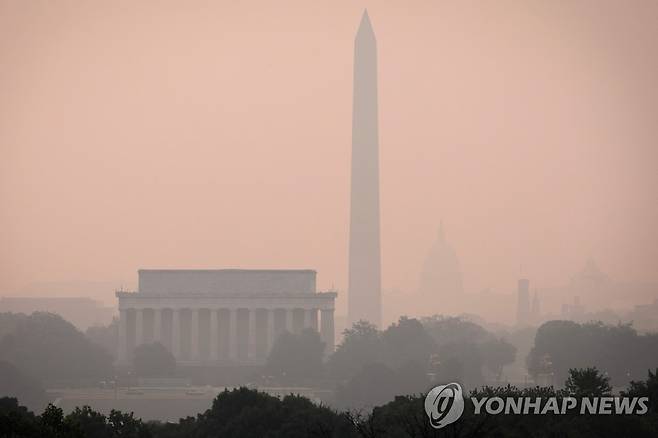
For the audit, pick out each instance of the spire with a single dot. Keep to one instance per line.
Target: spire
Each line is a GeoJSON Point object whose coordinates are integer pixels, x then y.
{"type": "Point", "coordinates": [441, 235]}
{"type": "Point", "coordinates": [365, 27]}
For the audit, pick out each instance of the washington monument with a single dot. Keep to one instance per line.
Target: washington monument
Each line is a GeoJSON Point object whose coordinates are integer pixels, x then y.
{"type": "Point", "coordinates": [364, 258]}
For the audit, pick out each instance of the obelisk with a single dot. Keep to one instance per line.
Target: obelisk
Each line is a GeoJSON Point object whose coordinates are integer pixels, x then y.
{"type": "Point", "coordinates": [364, 288]}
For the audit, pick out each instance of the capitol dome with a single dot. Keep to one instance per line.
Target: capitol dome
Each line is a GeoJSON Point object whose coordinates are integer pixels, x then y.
{"type": "Point", "coordinates": [441, 276]}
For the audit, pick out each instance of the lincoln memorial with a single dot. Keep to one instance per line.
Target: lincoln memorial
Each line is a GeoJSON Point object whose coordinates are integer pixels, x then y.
{"type": "Point", "coordinates": [223, 316]}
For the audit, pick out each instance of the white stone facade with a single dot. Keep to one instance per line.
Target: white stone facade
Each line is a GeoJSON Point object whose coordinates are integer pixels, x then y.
{"type": "Point", "coordinates": [222, 317]}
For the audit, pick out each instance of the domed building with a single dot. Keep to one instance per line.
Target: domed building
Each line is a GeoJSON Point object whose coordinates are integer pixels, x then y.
{"type": "Point", "coordinates": [590, 281]}
{"type": "Point", "coordinates": [441, 277]}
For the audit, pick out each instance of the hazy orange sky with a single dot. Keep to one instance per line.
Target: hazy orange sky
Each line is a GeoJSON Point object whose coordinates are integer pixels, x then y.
{"type": "Point", "coordinates": [204, 134]}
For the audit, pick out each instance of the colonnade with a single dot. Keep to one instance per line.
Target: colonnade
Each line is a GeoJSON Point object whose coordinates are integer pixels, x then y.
{"type": "Point", "coordinates": [208, 335]}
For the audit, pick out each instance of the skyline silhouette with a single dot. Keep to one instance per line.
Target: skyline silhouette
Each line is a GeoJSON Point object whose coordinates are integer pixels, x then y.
{"type": "Point", "coordinates": [132, 140]}
{"type": "Point", "coordinates": [339, 219]}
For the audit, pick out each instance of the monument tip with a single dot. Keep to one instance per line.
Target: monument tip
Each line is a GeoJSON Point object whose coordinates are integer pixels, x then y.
{"type": "Point", "coordinates": [365, 24]}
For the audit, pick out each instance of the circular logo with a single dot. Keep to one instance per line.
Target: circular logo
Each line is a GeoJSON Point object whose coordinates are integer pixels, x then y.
{"type": "Point", "coordinates": [444, 404]}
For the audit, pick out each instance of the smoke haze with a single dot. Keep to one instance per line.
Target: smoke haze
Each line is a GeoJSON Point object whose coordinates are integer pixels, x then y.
{"type": "Point", "coordinates": [203, 134]}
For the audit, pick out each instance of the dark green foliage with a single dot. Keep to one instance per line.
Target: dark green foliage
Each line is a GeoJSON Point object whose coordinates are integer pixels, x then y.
{"type": "Point", "coordinates": [9, 321]}
{"type": "Point", "coordinates": [587, 382]}
{"type": "Point", "coordinates": [89, 422]}
{"type": "Point", "coordinates": [459, 362]}
{"type": "Point", "coordinates": [296, 357]}
{"type": "Point", "coordinates": [53, 424]}
{"type": "Point", "coordinates": [49, 348]}
{"type": "Point", "coordinates": [14, 383]}
{"type": "Point", "coordinates": [648, 388]}
{"type": "Point", "coordinates": [447, 330]}
{"type": "Point", "coordinates": [497, 353]}
{"type": "Point", "coordinates": [105, 336]}
{"type": "Point", "coordinates": [246, 413]}
{"type": "Point", "coordinates": [373, 366]}
{"type": "Point", "coordinates": [153, 360]}
{"type": "Point", "coordinates": [465, 350]}
{"type": "Point", "coordinates": [126, 425]}
{"type": "Point", "coordinates": [376, 384]}
{"type": "Point", "coordinates": [17, 422]}
{"type": "Point", "coordinates": [361, 345]}
{"type": "Point", "coordinates": [407, 341]}
{"type": "Point", "coordinates": [405, 417]}
{"type": "Point", "coordinates": [460, 349]}
{"type": "Point", "coordinates": [617, 350]}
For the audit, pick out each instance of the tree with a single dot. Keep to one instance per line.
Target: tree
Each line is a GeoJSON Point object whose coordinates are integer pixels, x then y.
{"type": "Point", "coordinates": [374, 384]}
{"type": "Point", "coordinates": [14, 383]}
{"type": "Point", "coordinates": [453, 330]}
{"type": "Point", "coordinates": [47, 347]}
{"type": "Point", "coordinates": [459, 362]}
{"type": "Point", "coordinates": [587, 382]}
{"type": "Point", "coordinates": [451, 348]}
{"type": "Point", "coordinates": [295, 357]}
{"type": "Point", "coordinates": [407, 341]}
{"type": "Point", "coordinates": [496, 353]}
{"type": "Point", "coordinates": [464, 349]}
{"type": "Point", "coordinates": [618, 349]}
{"type": "Point", "coordinates": [89, 423]}
{"type": "Point", "coordinates": [412, 378]}
{"type": "Point", "coordinates": [361, 345]}
{"type": "Point", "coordinates": [377, 383]}
{"type": "Point", "coordinates": [9, 321]}
{"type": "Point", "coordinates": [153, 360]}
{"type": "Point", "coordinates": [16, 420]}
{"type": "Point", "coordinates": [648, 388]}
{"type": "Point", "coordinates": [105, 336]}
{"type": "Point", "coordinates": [53, 424]}
{"type": "Point", "coordinates": [246, 413]}
{"type": "Point", "coordinates": [126, 425]}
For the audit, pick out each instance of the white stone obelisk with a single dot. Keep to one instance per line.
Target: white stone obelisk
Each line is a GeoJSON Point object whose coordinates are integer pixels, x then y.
{"type": "Point", "coordinates": [364, 289]}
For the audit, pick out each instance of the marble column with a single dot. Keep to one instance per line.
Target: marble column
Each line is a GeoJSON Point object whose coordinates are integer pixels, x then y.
{"type": "Point", "coordinates": [214, 336]}
{"type": "Point", "coordinates": [314, 319]}
{"type": "Point", "coordinates": [157, 325]}
{"type": "Point", "coordinates": [251, 349]}
{"type": "Point", "coordinates": [123, 336]}
{"type": "Point", "coordinates": [289, 314]}
{"type": "Point", "coordinates": [327, 330]}
{"type": "Point", "coordinates": [233, 334]}
{"type": "Point", "coordinates": [307, 318]}
{"type": "Point", "coordinates": [270, 330]}
{"type": "Point", "coordinates": [139, 327]}
{"type": "Point", "coordinates": [194, 335]}
{"type": "Point", "coordinates": [175, 333]}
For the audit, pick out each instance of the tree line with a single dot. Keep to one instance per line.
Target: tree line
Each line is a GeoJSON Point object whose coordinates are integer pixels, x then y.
{"type": "Point", "coordinates": [245, 413]}
{"type": "Point", "coordinates": [368, 368]}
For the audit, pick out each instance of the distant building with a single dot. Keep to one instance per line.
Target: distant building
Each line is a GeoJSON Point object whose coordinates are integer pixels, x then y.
{"type": "Point", "coordinates": [535, 311]}
{"type": "Point", "coordinates": [222, 316]}
{"type": "Point", "coordinates": [645, 317]}
{"type": "Point", "coordinates": [441, 284]}
{"type": "Point", "coordinates": [575, 311]}
{"type": "Point", "coordinates": [591, 283]}
{"type": "Point", "coordinates": [80, 311]}
{"type": "Point", "coordinates": [523, 302]}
